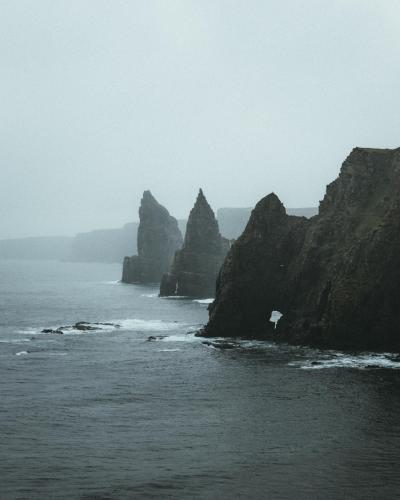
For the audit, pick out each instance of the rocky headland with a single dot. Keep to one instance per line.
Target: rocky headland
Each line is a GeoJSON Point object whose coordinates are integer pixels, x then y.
{"type": "Point", "coordinates": [196, 266]}
{"type": "Point", "coordinates": [158, 238]}
{"type": "Point", "coordinates": [335, 277]}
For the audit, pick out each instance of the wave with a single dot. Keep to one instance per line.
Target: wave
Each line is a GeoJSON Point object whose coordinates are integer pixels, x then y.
{"type": "Point", "coordinates": [42, 352]}
{"type": "Point", "coordinates": [14, 341]}
{"type": "Point", "coordinates": [361, 361]}
{"type": "Point", "coordinates": [176, 297]}
{"type": "Point", "coordinates": [152, 325]}
{"type": "Point", "coordinates": [168, 350]}
{"type": "Point", "coordinates": [88, 328]}
{"type": "Point", "coordinates": [184, 337]}
{"type": "Point", "coordinates": [204, 301]}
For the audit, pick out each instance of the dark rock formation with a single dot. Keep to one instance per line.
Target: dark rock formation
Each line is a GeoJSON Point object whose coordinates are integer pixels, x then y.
{"type": "Point", "coordinates": [83, 326]}
{"type": "Point", "coordinates": [334, 277]}
{"type": "Point", "coordinates": [157, 240]}
{"type": "Point", "coordinates": [232, 221]}
{"type": "Point", "coordinates": [196, 265]}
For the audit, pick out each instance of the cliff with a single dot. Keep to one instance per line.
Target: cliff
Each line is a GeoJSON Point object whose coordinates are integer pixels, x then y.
{"type": "Point", "coordinates": [232, 221]}
{"type": "Point", "coordinates": [196, 265]}
{"type": "Point", "coordinates": [158, 238]}
{"type": "Point", "coordinates": [104, 245]}
{"type": "Point", "coordinates": [37, 248]}
{"type": "Point", "coordinates": [335, 277]}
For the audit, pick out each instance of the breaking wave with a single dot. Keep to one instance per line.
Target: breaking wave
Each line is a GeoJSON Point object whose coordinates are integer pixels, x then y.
{"type": "Point", "coordinates": [204, 301]}
{"type": "Point", "coordinates": [88, 328]}
{"type": "Point", "coordinates": [361, 361]}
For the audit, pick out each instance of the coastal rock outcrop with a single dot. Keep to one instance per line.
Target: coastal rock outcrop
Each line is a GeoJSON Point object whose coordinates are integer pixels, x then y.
{"type": "Point", "coordinates": [335, 277]}
{"type": "Point", "coordinates": [158, 238]}
{"type": "Point", "coordinates": [196, 265]}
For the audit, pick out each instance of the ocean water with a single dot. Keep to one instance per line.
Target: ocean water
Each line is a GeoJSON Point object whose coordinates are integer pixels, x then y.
{"type": "Point", "coordinates": [110, 414]}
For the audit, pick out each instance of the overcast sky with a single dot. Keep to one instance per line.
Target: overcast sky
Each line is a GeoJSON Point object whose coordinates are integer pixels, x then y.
{"type": "Point", "coordinates": [101, 100]}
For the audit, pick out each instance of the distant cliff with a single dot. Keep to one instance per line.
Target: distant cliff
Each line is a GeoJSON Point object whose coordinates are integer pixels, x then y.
{"type": "Point", "coordinates": [196, 265]}
{"type": "Point", "coordinates": [38, 248]}
{"type": "Point", "coordinates": [104, 245]}
{"type": "Point", "coordinates": [232, 221]}
{"type": "Point", "coordinates": [335, 277]}
{"type": "Point", "coordinates": [158, 238]}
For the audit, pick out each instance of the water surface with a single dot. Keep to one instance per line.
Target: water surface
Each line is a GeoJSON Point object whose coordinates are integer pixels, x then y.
{"type": "Point", "coordinates": [109, 414]}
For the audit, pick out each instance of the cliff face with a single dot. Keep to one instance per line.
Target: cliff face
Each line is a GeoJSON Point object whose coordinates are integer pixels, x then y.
{"type": "Point", "coordinates": [196, 265]}
{"type": "Point", "coordinates": [158, 238]}
{"type": "Point", "coordinates": [232, 221]}
{"type": "Point", "coordinates": [104, 245]}
{"type": "Point", "coordinates": [335, 277]}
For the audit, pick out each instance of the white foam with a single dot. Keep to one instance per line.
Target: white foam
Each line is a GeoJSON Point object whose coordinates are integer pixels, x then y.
{"type": "Point", "coordinates": [204, 301]}
{"type": "Point", "coordinates": [28, 331]}
{"type": "Point", "coordinates": [152, 325]}
{"type": "Point", "coordinates": [133, 324]}
{"type": "Point", "coordinates": [21, 353]}
{"type": "Point", "coordinates": [14, 341]}
{"type": "Point", "coordinates": [187, 337]}
{"type": "Point", "coordinates": [361, 361]}
{"type": "Point", "coordinates": [150, 295]}
{"type": "Point", "coordinates": [178, 297]}
{"type": "Point", "coordinates": [168, 350]}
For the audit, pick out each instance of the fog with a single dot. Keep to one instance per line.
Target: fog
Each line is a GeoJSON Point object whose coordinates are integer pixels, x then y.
{"type": "Point", "coordinates": [101, 100]}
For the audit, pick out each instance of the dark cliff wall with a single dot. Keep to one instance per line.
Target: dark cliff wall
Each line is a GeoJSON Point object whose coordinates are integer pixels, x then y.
{"type": "Point", "coordinates": [196, 265]}
{"type": "Point", "coordinates": [232, 221]}
{"type": "Point", "coordinates": [158, 237]}
{"type": "Point", "coordinates": [335, 277]}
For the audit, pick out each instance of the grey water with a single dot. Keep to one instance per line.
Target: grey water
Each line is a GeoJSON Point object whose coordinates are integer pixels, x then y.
{"type": "Point", "coordinates": [108, 414]}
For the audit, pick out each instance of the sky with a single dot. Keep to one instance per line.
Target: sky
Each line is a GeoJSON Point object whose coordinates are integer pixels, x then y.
{"type": "Point", "coordinates": [101, 100]}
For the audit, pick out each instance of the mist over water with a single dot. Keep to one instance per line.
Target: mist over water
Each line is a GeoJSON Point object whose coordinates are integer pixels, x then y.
{"type": "Point", "coordinates": [109, 414]}
{"type": "Point", "coordinates": [102, 100]}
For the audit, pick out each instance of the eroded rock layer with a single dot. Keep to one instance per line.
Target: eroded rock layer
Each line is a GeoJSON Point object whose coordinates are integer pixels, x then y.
{"type": "Point", "coordinates": [196, 266]}
{"type": "Point", "coordinates": [158, 238]}
{"type": "Point", "coordinates": [334, 277]}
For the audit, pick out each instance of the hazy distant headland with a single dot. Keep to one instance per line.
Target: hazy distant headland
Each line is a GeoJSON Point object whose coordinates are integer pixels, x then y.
{"type": "Point", "coordinates": [111, 245]}
{"type": "Point", "coordinates": [103, 245]}
{"type": "Point", "coordinates": [37, 248]}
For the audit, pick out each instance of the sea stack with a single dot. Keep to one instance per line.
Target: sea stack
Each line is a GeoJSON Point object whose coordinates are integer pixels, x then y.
{"type": "Point", "coordinates": [158, 238]}
{"type": "Point", "coordinates": [196, 266]}
{"type": "Point", "coordinates": [335, 277]}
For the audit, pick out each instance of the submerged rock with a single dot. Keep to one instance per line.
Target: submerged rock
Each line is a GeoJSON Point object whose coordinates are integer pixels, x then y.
{"type": "Point", "coordinates": [57, 331]}
{"type": "Point", "coordinates": [155, 338]}
{"type": "Point", "coordinates": [83, 326]}
{"type": "Point", "coordinates": [157, 240]}
{"type": "Point", "coordinates": [196, 265]}
{"type": "Point", "coordinates": [221, 345]}
{"type": "Point", "coordinates": [334, 277]}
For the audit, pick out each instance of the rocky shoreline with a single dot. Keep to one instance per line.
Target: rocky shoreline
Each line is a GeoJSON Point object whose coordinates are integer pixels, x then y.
{"type": "Point", "coordinates": [335, 277]}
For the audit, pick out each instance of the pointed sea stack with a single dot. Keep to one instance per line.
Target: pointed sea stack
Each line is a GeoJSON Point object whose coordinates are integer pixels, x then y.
{"type": "Point", "coordinates": [157, 240]}
{"type": "Point", "coordinates": [196, 265]}
{"type": "Point", "coordinates": [334, 277]}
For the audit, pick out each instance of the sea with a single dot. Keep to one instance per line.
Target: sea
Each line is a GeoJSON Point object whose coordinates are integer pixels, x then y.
{"type": "Point", "coordinates": [137, 406]}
